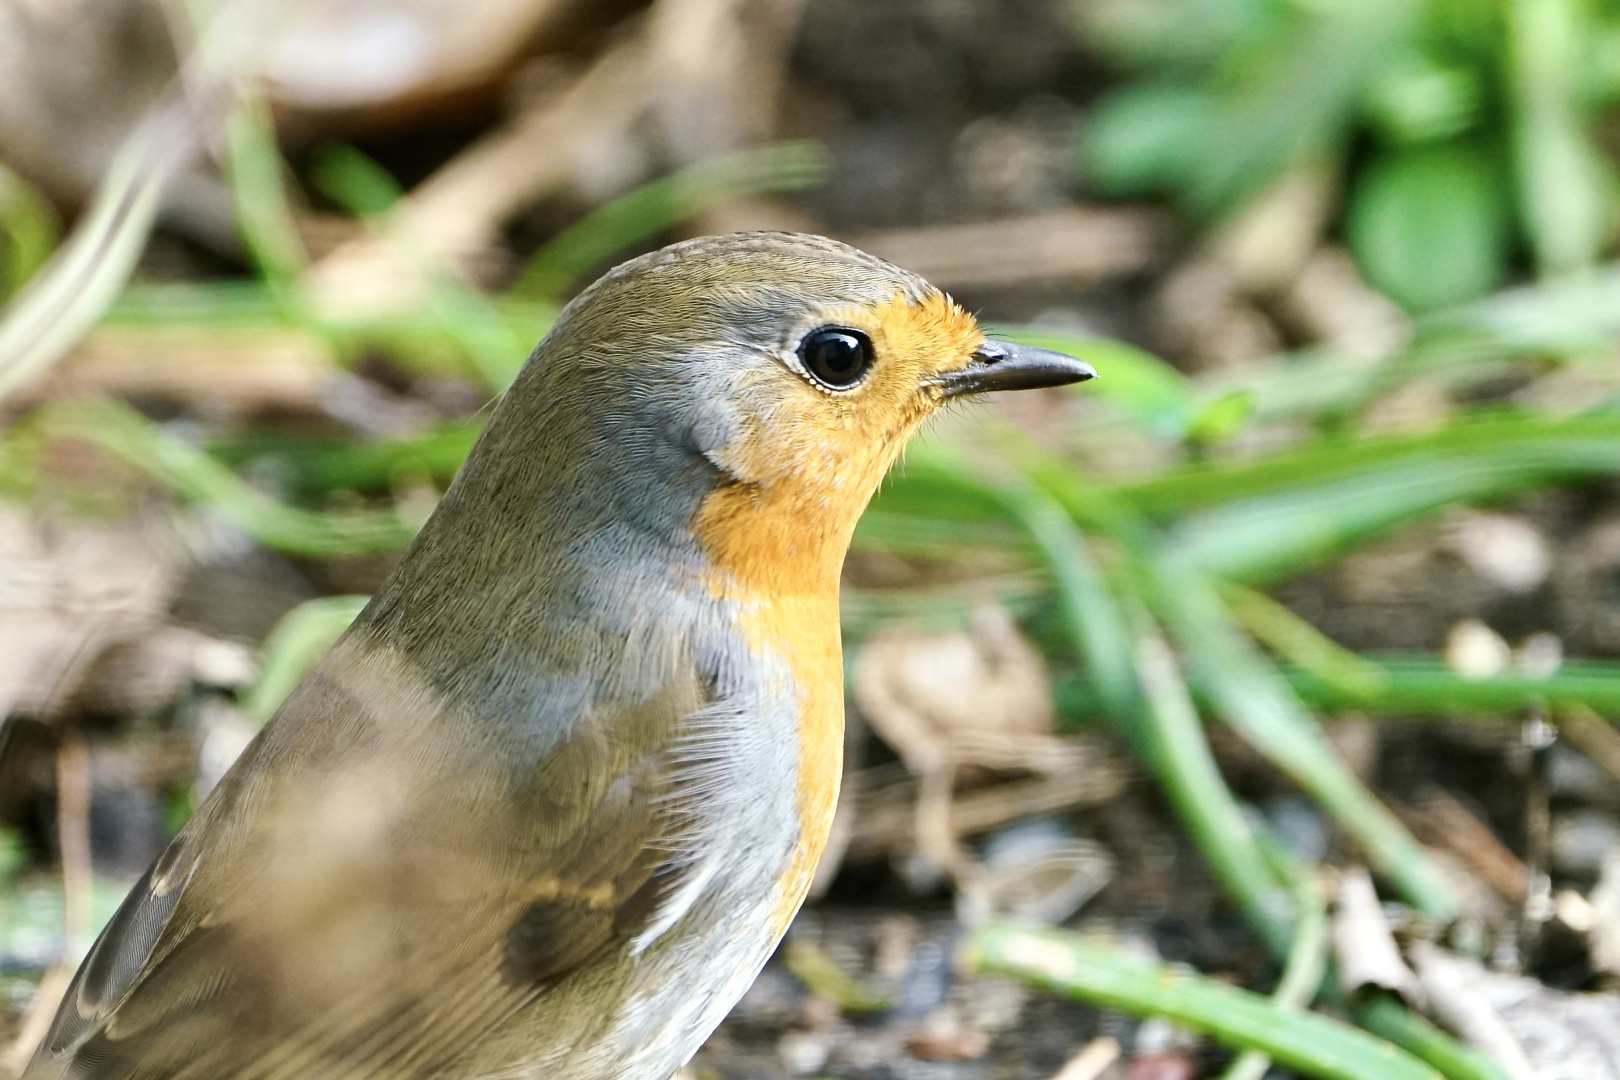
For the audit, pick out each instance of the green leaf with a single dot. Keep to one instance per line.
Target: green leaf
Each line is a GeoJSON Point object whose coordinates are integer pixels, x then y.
{"type": "Point", "coordinates": [1292, 98]}
{"type": "Point", "coordinates": [1429, 226]}
{"type": "Point", "coordinates": [1417, 99]}
{"type": "Point", "coordinates": [254, 167]}
{"type": "Point", "coordinates": [354, 181]}
{"type": "Point", "coordinates": [1561, 174]}
{"type": "Point", "coordinates": [1142, 140]}
{"type": "Point", "coordinates": [29, 231]}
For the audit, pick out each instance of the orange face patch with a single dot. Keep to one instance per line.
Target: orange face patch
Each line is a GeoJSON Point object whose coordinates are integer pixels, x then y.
{"type": "Point", "coordinates": [806, 467]}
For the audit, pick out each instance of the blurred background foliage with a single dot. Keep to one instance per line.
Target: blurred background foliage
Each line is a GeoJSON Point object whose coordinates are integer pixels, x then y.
{"type": "Point", "coordinates": [1174, 187]}
{"type": "Point", "coordinates": [1465, 137]}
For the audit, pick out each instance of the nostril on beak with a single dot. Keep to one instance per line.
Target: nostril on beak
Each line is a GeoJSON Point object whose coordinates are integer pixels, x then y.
{"type": "Point", "coordinates": [1002, 365]}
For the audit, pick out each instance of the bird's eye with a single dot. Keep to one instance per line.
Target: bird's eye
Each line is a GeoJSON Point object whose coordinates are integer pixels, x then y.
{"type": "Point", "coordinates": [836, 357]}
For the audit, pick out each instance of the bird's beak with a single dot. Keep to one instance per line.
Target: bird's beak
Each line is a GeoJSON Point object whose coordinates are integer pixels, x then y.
{"type": "Point", "coordinates": [1001, 365]}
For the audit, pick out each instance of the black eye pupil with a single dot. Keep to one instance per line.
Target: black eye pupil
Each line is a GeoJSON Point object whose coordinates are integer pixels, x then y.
{"type": "Point", "coordinates": [836, 357]}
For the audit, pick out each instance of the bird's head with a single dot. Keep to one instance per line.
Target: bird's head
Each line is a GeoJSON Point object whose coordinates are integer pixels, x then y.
{"type": "Point", "coordinates": [795, 366]}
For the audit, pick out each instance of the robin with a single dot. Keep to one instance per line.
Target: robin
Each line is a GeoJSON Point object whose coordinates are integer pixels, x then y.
{"type": "Point", "coordinates": [550, 804]}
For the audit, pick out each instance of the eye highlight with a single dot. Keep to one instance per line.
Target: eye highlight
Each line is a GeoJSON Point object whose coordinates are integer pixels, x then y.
{"type": "Point", "coordinates": [836, 356]}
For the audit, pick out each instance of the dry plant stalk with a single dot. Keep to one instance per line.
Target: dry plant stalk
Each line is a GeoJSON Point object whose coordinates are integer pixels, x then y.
{"type": "Point", "coordinates": [1363, 943]}
{"type": "Point", "coordinates": [1448, 823]}
{"type": "Point", "coordinates": [1091, 1060]}
{"type": "Point", "coordinates": [1077, 244]}
{"type": "Point", "coordinates": [1593, 736]}
{"type": "Point", "coordinates": [455, 213]}
{"type": "Point", "coordinates": [73, 829]}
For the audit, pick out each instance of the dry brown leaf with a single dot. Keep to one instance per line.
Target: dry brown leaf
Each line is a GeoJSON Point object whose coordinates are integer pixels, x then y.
{"type": "Point", "coordinates": [979, 697]}
{"type": "Point", "coordinates": [1362, 941]}
{"type": "Point", "coordinates": [1533, 1031]}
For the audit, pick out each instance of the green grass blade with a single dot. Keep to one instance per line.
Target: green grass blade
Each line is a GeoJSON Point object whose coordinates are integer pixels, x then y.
{"type": "Point", "coordinates": [1251, 696]}
{"type": "Point", "coordinates": [1302, 974]}
{"type": "Point", "coordinates": [1416, 688]}
{"type": "Point", "coordinates": [654, 207]}
{"type": "Point", "coordinates": [1578, 446]}
{"type": "Point", "coordinates": [1085, 969]}
{"type": "Point", "coordinates": [1266, 537]}
{"type": "Point", "coordinates": [192, 474]}
{"type": "Point", "coordinates": [1426, 686]}
{"type": "Point", "coordinates": [1385, 1016]}
{"type": "Point", "coordinates": [255, 170]}
{"type": "Point", "coordinates": [317, 467]}
{"type": "Point", "coordinates": [1094, 620]}
{"type": "Point", "coordinates": [65, 298]}
{"type": "Point", "coordinates": [1302, 644]}
{"type": "Point", "coordinates": [474, 323]}
{"type": "Point", "coordinates": [1174, 745]}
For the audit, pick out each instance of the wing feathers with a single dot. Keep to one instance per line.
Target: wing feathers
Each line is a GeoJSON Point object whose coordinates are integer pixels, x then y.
{"type": "Point", "coordinates": [375, 905]}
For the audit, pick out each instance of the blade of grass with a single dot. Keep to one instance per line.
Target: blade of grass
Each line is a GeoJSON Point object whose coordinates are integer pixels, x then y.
{"type": "Point", "coordinates": [466, 315]}
{"type": "Point", "coordinates": [291, 649]}
{"type": "Point", "coordinates": [1385, 1016]}
{"type": "Point", "coordinates": [317, 467]}
{"type": "Point", "coordinates": [1089, 970]}
{"type": "Point", "coordinates": [1093, 618]}
{"type": "Point", "coordinates": [1175, 747]}
{"type": "Point", "coordinates": [1267, 538]}
{"type": "Point", "coordinates": [1416, 688]}
{"type": "Point", "coordinates": [1245, 689]}
{"type": "Point", "coordinates": [1251, 696]}
{"type": "Point", "coordinates": [1302, 974]}
{"type": "Point", "coordinates": [65, 298]}
{"type": "Point", "coordinates": [193, 475]}
{"type": "Point", "coordinates": [255, 170]}
{"type": "Point", "coordinates": [654, 207]}
{"type": "Point", "coordinates": [1426, 686]}
{"type": "Point", "coordinates": [1302, 644]}
{"type": "Point", "coordinates": [1574, 446]}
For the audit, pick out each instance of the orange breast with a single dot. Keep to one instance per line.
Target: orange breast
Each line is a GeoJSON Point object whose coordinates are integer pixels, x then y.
{"type": "Point", "coordinates": [773, 564]}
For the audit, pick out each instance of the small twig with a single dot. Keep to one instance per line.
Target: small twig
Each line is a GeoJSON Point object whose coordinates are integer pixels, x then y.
{"type": "Point", "coordinates": [1445, 822]}
{"type": "Point", "coordinates": [73, 834]}
{"type": "Point", "coordinates": [36, 1020]}
{"type": "Point", "coordinates": [1592, 735]}
{"type": "Point", "coordinates": [1539, 737]}
{"type": "Point", "coordinates": [73, 829]}
{"type": "Point", "coordinates": [1073, 244]}
{"type": "Point", "coordinates": [1090, 1061]}
{"type": "Point", "coordinates": [1302, 974]}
